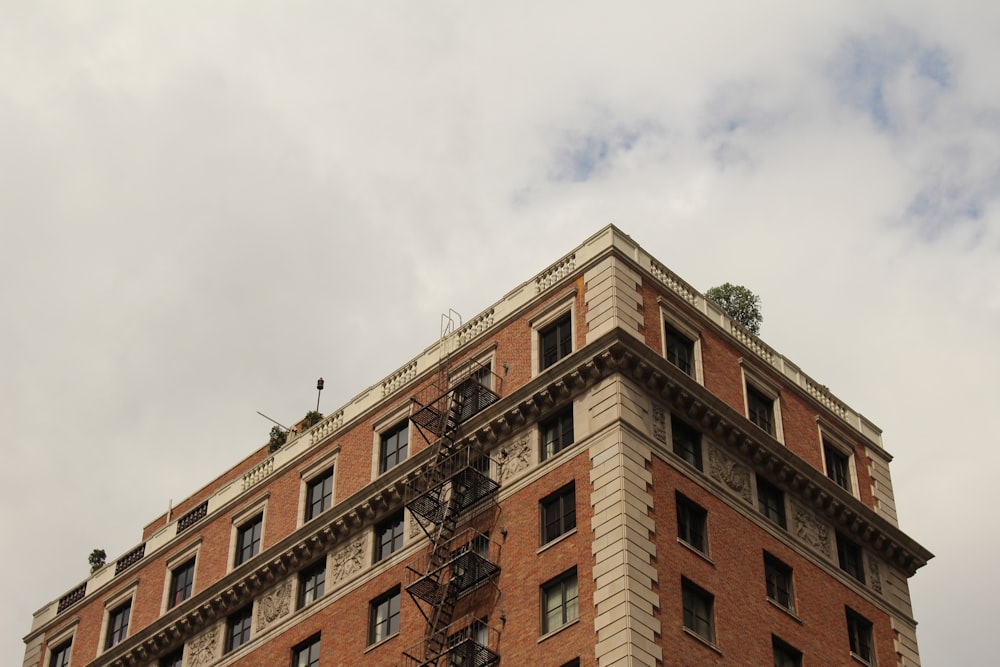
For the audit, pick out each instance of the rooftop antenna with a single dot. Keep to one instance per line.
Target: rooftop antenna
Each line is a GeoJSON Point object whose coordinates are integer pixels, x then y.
{"type": "Point", "coordinates": [319, 390]}
{"type": "Point", "coordinates": [271, 420]}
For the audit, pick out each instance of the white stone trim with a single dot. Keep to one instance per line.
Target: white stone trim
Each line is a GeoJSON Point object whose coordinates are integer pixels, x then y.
{"type": "Point", "coordinates": [111, 603]}
{"type": "Point", "coordinates": [59, 638]}
{"type": "Point", "coordinates": [685, 326]}
{"type": "Point", "coordinates": [565, 304]}
{"type": "Point", "coordinates": [383, 424]}
{"type": "Point", "coordinates": [828, 436]}
{"type": "Point", "coordinates": [175, 560]}
{"type": "Point", "coordinates": [752, 378]}
{"type": "Point", "coordinates": [238, 519]}
{"type": "Point", "coordinates": [311, 472]}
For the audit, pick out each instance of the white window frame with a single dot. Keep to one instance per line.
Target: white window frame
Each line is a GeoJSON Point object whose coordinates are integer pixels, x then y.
{"type": "Point", "coordinates": [381, 426]}
{"type": "Point", "coordinates": [175, 561]}
{"type": "Point", "coordinates": [670, 317]}
{"type": "Point", "coordinates": [310, 473]}
{"type": "Point", "coordinates": [547, 317]}
{"type": "Point", "coordinates": [60, 638]}
{"type": "Point", "coordinates": [112, 603]}
{"type": "Point", "coordinates": [752, 378]}
{"type": "Point", "coordinates": [297, 582]}
{"type": "Point", "coordinates": [828, 436]}
{"type": "Point", "coordinates": [238, 520]}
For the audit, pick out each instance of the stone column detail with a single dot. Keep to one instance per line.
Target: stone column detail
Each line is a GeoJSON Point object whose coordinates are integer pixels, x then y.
{"type": "Point", "coordinates": [613, 299]}
{"type": "Point", "coordinates": [624, 547]}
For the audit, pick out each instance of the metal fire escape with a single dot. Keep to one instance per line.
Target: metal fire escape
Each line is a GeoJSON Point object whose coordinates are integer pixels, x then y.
{"type": "Point", "coordinates": [459, 480]}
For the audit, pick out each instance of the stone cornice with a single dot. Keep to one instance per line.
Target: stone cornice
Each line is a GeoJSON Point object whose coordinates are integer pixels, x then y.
{"type": "Point", "coordinates": [767, 456]}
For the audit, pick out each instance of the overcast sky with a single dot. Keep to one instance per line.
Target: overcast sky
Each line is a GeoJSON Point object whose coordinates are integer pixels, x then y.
{"type": "Point", "coordinates": [206, 206]}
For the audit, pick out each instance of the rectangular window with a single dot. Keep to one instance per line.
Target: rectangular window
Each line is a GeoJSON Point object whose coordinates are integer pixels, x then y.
{"type": "Point", "coordinates": [306, 654]}
{"type": "Point", "coordinates": [118, 624]}
{"type": "Point", "coordinates": [181, 584]}
{"type": "Point", "coordinates": [771, 501]}
{"type": "Point", "coordinates": [383, 616]}
{"type": "Point", "coordinates": [779, 582]}
{"type": "Point", "coordinates": [59, 656]}
{"type": "Point", "coordinates": [838, 466]}
{"type": "Point", "coordinates": [859, 632]}
{"type": "Point", "coordinates": [692, 520]}
{"type": "Point", "coordinates": [760, 409]}
{"type": "Point", "coordinates": [248, 539]}
{"type": "Point", "coordinates": [560, 604]}
{"type": "Point", "coordinates": [319, 494]}
{"type": "Point", "coordinates": [558, 512]}
{"type": "Point", "coordinates": [680, 350]}
{"type": "Point", "coordinates": [311, 583]}
{"type": "Point", "coordinates": [393, 448]}
{"type": "Point", "coordinates": [389, 536]}
{"type": "Point", "coordinates": [238, 628]}
{"type": "Point", "coordinates": [556, 433]}
{"type": "Point", "coordinates": [785, 655]}
{"type": "Point", "coordinates": [698, 611]}
{"type": "Point", "coordinates": [686, 441]}
{"type": "Point", "coordinates": [555, 341]}
{"type": "Point", "coordinates": [851, 558]}
{"type": "Point", "coordinates": [173, 659]}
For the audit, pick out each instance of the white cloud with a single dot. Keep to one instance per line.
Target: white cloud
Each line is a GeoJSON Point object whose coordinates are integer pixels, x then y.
{"type": "Point", "coordinates": [205, 209]}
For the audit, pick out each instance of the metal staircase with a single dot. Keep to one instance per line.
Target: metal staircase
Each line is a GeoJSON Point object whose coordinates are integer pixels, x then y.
{"type": "Point", "coordinates": [459, 479]}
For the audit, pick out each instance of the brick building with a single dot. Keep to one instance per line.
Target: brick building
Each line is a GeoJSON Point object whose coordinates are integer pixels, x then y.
{"type": "Point", "coordinates": [599, 469]}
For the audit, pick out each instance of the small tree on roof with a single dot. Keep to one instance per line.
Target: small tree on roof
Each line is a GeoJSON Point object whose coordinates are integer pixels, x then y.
{"type": "Point", "coordinates": [739, 303]}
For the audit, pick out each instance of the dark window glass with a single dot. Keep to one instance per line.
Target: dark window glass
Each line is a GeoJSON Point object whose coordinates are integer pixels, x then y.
{"type": "Point", "coordinates": [389, 536]}
{"type": "Point", "coordinates": [394, 446]}
{"type": "Point", "coordinates": [771, 501]}
{"type": "Point", "coordinates": [760, 409]}
{"type": "Point", "coordinates": [859, 632]}
{"type": "Point", "coordinates": [60, 654]}
{"type": "Point", "coordinates": [785, 655]}
{"type": "Point", "coordinates": [306, 654]}
{"type": "Point", "coordinates": [238, 628]}
{"type": "Point", "coordinates": [850, 557]}
{"type": "Point", "coordinates": [560, 604]}
{"type": "Point", "coordinates": [687, 442]}
{"type": "Point", "coordinates": [680, 350]}
{"type": "Point", "coordinates": [837, 466]}
{"type": "Point", "coordinates": [181, 583]}
{"type": "Point", "coordinates": [556, 341]}
{"type": "Point", "coordinates": [468, 395]}
{"type": "Point", "coordinates": [319, 494]}
{"type": "Point", "coordinates": [698, 612]}
{"type": "Point", "coordinates": [691, 522]}
{"type": "Point", "coordinates": [118, 624]}
{"type": "Point", "coordinates": [311, 583]}
{"type": "Point", "coordinates": [248, 539]}
{"type": "Point", "coordinates": [173, 659]}
{"type": "Point", "coordinates": [779, 582]}
{"type": "Point", "coordinates": [557, 433]}
{"type": "Point", "coordinates": [383, 616]}
{"type": "Point", "coordinates": [558, 513]}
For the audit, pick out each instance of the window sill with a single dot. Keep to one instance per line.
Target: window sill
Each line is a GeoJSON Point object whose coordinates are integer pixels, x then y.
{"type": "Point", "coordinates": [558, 630]}
{"type": "Point", "coordinates": [551, 543]}
{"type": "Point", "coordinates": [785, 610]}
{"type": "Point", "coordinates": [859, 659]}
{"type": "Point", "coordinates": [702, 640]}
{"type": "Point", "coordinates": [372, 647]}
{"type": "Point", "coordinates": [695, 550]}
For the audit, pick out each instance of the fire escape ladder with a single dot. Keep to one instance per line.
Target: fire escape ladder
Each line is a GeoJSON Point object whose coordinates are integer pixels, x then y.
{"type": "Point", "coordinates": [450, 485]}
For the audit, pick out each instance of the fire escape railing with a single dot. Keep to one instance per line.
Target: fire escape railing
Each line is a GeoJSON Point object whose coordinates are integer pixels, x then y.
{"type": "Point", "coordinates": [458, 479]}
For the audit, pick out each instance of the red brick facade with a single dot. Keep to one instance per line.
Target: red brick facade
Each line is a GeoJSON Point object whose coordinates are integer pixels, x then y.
{"type": "Point", "coordinates": [623, 393]}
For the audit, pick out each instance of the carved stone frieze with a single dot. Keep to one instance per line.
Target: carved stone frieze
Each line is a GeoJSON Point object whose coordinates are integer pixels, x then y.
{"type": "Point", "coordinates": [414, 526]}
{"type": "Point", "coordinates": [731, 473]}
{"type": "Point", "coordinates": [348, 560]}
{"type": "Point", "coordinates": [811, 531]}
{"type": "Point", "coordinates": [660, 423]}
{"type": "Point", "coordinates": [274, 604]}
{"type": "Point", "coordinates": [874, 575]}
{"type": "Point", "coordinates": [204, 649]}
{"type": "Point", "coordinates": [514, 458]}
